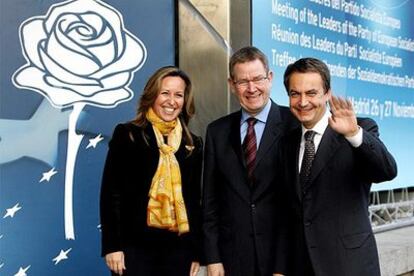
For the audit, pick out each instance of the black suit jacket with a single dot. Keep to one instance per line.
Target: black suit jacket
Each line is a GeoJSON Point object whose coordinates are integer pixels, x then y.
{"type": "Point", "coordinates": [130, 166]}
{"type": "Point", "coordinates": [330, 216]}
{"type": "Point", "coordinates": [239, 218]}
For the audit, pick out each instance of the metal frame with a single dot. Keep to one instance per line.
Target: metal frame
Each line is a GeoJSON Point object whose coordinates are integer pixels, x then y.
{"type": "Point", "coordinates": [391, 214]}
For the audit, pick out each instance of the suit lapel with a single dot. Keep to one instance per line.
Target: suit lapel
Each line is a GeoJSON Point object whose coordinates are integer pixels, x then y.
{"type": "Point", "coordinates": [243, 188]}
{"type": "Point", "coordinates": [271, 132]}
{"type": "Point", "coordinates": [271, 135]}
{"type": "Point", "coordinates": [235, 137]}
{"type": "Point", "coordinates": [293, 159]}
{"type": "Point", "coordinates": [327, 148]}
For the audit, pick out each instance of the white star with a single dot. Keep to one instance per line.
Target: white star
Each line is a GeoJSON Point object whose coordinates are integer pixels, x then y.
{"type": "Point", "coordinates": [1, 236]}
{"type": "Point", "coordinates": [99, 227]}
{"type": "Point", "coordinates": [1, 265]}
{"type": "Point", "coordinates": [48, 175]}
{"type": "Point", "coordinates": [11, 211]}
{"type": "Point", "coordinates": [63, 255]}
{"type": "Point", "coordinates": [93, 142]}
{"type": "Point", "coordinates": [22, 271]}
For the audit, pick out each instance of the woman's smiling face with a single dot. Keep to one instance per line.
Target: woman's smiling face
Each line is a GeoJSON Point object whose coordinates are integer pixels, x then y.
{"type": "Point", "coordinates": [170, 99]}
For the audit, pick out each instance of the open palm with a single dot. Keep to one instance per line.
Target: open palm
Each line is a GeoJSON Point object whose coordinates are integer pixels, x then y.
{"type": "Point", "coordinates": [343, 119]}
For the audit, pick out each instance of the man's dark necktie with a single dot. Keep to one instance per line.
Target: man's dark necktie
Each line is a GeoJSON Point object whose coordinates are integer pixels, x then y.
{"type": "Point", "coordinates": [250, 147]}
{"type": "Point", "coordinates": [308, 156]}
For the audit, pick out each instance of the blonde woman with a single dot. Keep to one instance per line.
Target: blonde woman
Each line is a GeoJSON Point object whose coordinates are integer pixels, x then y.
{"type": "Point", "coordinates": [150, 195]}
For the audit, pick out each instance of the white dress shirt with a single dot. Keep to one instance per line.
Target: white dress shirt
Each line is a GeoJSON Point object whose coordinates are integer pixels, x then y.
{"type": "Point", "coordinates": [320, 128]}
{"type": "Point", "coordinates": [259, 126]}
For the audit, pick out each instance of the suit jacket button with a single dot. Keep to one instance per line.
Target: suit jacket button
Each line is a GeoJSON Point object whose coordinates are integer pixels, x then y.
{"type": "Point", "coordinates": [308, 223]}
{"type": "Point", "coordinates": [253, 206]}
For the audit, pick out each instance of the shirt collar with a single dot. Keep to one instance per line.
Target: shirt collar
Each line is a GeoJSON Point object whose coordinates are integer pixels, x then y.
{"type": "Point", "coordinates": [320, 126]}
{"type": "Point", "coordinates": [261, 116]}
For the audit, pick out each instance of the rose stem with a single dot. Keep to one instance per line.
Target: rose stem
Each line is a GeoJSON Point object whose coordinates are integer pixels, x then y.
{"type": "Point", "coordinates": [74, 141]}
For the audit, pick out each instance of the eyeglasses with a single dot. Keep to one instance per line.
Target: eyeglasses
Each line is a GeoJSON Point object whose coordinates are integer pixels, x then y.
{"type": "Point", "coordinates": [260, 80]}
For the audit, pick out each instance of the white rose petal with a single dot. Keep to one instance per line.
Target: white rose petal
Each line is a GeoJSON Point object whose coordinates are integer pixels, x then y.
{"type": "Point", "coordinates": [107, 99]}
{"type": "Point", "coordinates": [61, 97]}
{"type": "Point", "coordinates": [31, 34]}
{"type": "Point", "coordinates": [105, 53]}
{"type": "Point", "coordinates": [115, 81]}
{"type": "Point", "coordinates": [61, 74]}
{"type": "Point", "coordinates": [85, 90]}
{"type": "Point", "coordinates": [132, 57]}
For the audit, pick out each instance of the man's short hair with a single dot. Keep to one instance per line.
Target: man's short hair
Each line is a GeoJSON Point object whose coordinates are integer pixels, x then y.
{"type": "Point", "coordinates": [306, 65]}
{"type": "Point", "coordinates": [245, 54]}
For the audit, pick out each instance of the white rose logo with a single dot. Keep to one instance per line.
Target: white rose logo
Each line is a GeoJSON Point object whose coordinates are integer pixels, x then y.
{"type": "Point", "coordinates": [79, 53]}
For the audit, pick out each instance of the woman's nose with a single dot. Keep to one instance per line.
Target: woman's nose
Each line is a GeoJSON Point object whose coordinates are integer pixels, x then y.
{"type": "Point", "coordinates": [171, 100]}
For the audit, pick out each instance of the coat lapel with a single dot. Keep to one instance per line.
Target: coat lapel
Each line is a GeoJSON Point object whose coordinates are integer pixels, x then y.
{"type": "Point", "coordinates": [243, 188]}
{"type": "Point", "coordinates": [329, 144]}
{"type": "Point", "coordinates": [293, 159]}
{"type": "Point", "coordinates": [149, 136]}
{"type": "Point", "coordinates": [182, 153]}
{"type": "Point", "coordinates": [271, 135]}
{"type": "Point", "coordinates": [235, 137]}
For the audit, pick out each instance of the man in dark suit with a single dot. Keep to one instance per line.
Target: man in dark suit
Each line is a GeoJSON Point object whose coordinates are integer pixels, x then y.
{"type": "Point", "coordinates": [329, 164]}
{"type": "Point", "coordinates": [239, 204]}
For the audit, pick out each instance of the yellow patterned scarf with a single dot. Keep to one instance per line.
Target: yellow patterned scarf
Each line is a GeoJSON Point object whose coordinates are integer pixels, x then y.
{"type": "Point", "coordinates": [166, 208]}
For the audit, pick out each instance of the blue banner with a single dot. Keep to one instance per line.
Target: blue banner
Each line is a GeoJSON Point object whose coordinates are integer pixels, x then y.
{"type": "Point", "coordinates": [369, 48]}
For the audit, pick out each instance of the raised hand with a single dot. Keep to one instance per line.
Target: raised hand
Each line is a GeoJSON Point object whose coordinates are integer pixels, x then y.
{"type": "Point", "coordinates": [343, 119]}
